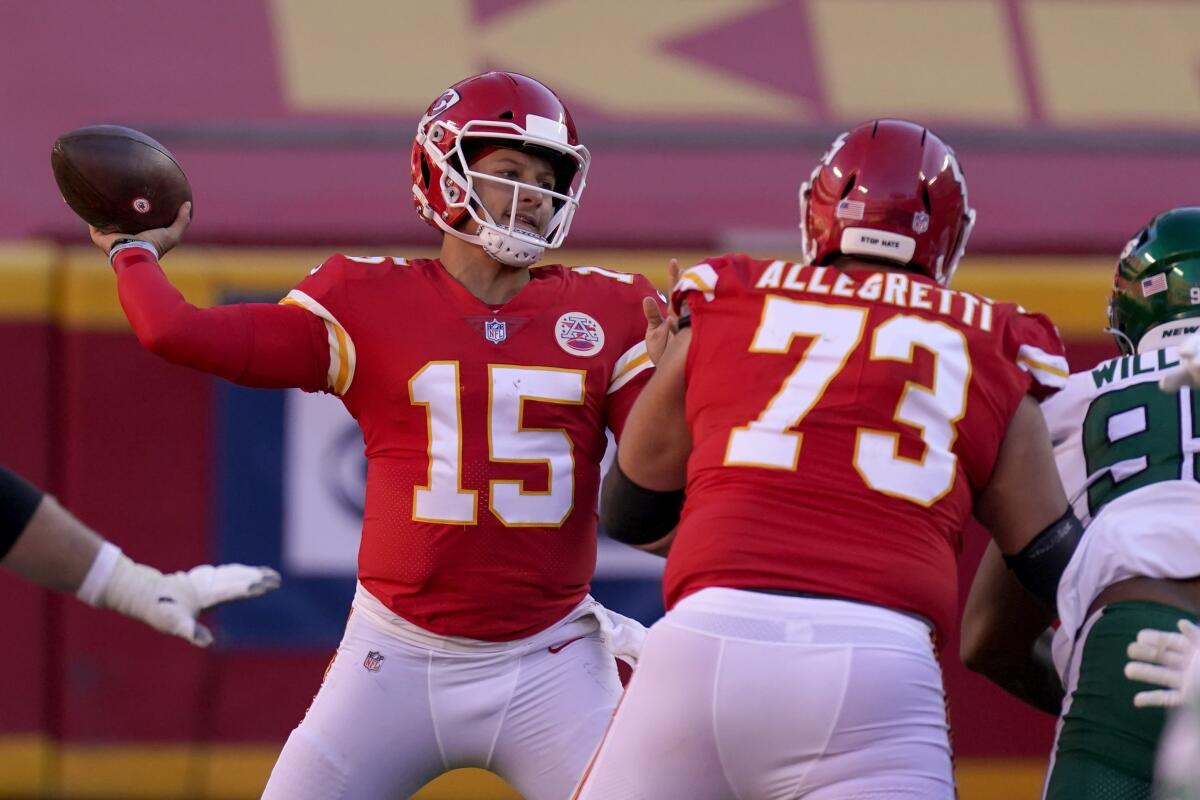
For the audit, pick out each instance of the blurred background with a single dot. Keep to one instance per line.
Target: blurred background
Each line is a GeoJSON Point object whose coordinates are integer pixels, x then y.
{"type": "Point", "coordinates": [1075, 121]}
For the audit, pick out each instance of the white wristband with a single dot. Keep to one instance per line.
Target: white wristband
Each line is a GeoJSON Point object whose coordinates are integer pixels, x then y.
{"type": "Point", "coordinates": [131, 243]}
{"type": "Point", "coordinates": [99, 574]}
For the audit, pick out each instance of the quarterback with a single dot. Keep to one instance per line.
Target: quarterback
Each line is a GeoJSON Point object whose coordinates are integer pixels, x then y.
{"type": "Point", "coordinates": [483, 389]}
{"type": "Point", "coordinates": [834, 422]}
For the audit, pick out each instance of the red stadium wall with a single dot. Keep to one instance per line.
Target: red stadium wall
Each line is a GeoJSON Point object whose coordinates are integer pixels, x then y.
{"type": "Point", "coordinates": [94, 705]}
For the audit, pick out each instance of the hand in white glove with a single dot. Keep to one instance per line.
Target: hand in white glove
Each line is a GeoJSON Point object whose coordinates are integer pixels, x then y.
{"type": "Point", "coordinates": [1162, 658]}
{"type": "Point", "coordinates": [1188, 371]}
{"type": "Point", "coordinates": [621, 635]}
{"type": "Point", "coordinates": [171, 603]}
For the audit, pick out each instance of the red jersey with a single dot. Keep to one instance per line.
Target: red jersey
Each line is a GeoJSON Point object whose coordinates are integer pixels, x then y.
{"type": "Point", "coordinates": [842, 423]}
{"type": "Point", "coordinates": [484, 429]}
{"type": "Point", "coordinates": [484, 425]}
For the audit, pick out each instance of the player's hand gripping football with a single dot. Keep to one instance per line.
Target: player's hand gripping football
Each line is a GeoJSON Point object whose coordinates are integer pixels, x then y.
{"type": "Point", "coordinates": [1162, 658]}
{"type": "Point", "coordinates": [660, 329]}
{"type": "Point", "coordinates": [1188, 371]}
{"type": "Point", "coordinates": [171, 603]}
{"type": "Point", "coordinates": [163, 239]}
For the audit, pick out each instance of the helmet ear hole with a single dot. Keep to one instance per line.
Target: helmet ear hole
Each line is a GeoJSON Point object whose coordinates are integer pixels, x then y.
{"type": "Point", "coordinates": [424, 171]}
{"type": "Point", "coordinates": [506, 115]}
{"type": "Point", "coordinates": [849, 187]}
{"type": "Point", "coordinates": [925, 201]}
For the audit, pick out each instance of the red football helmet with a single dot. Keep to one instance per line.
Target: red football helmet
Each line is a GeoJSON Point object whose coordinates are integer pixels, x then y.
{"type": "Point", "coordinates": [500, 109]}
{"type": "Point", "coordinates": [888, 189]}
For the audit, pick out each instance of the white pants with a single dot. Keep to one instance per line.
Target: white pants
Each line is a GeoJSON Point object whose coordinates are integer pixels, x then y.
{"type": "Point", "coordinates": [749, 696]}
{"type": "Point", "coordinates": [400, 705]}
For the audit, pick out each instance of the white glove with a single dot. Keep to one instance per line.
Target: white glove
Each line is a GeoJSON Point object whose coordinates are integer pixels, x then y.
{"type": "Point", "coordinates": [1188, 371]}
{"type": "Point", "coordinates": [621, 635]}
{"type": "Point", "coordinates": [1162, 658]}
{"type": "Point", "coordinates": [171, 603]}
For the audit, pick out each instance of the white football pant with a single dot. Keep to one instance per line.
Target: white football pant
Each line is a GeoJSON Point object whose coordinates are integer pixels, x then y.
{"type": "Point", "coordinates": [748, 696]}
{"type": "Point", "coordinates": [400, 705]}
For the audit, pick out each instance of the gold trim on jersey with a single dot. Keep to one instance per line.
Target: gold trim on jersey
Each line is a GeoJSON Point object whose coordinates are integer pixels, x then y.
{"type": "Point", "coordinates": [632, 363]}
{"type": "Point", "coordinates": [701, 278]}
{"type": "Point", "coordinates": [788, 432]}
{"type": "Point", "coordinates": [1034, 360]}
{"type": "Point", "coordinates": [520, 484]}
{"type": "Point", "coordinates": [930, 390]}
{"type": "Point", "coordinates": [342, 358]}
{"type": "Point", "coordinates": [459, 491]}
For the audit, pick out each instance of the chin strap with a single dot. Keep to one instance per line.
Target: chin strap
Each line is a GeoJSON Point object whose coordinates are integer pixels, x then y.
{"type": "Point", "coordinates": [501, 244]}
{"type": "Point", "coordinates": [515, 251]}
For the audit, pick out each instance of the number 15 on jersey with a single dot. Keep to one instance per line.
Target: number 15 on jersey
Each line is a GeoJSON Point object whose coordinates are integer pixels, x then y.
{"type": "Point", "coordinates": [442, 499]}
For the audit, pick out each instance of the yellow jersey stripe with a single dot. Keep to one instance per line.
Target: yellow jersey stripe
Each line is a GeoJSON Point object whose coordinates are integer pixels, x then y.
{"type": "Point", "coordinates": [1061, 373]}
{"type": "Point", "coordinates": [341, 346]}
{"type": "Point", "coordinates": [642, 359]}
{"type": "Point", "coordinates": [341, 382]}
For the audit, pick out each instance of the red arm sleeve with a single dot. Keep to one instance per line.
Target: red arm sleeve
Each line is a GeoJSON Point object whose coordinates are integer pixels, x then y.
{"type": "Point", "coordinates": [634, 368]}
{"type": "Point", "coordinates": [254, 344]}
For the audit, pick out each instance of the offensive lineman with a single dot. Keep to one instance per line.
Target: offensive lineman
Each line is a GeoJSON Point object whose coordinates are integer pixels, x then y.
{"type": "Point", "coordinates": [483, 389]}
{"type": "Point", "coordinates": [835, 423]}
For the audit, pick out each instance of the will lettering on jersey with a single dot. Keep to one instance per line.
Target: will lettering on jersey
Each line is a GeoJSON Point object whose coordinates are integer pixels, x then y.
{"type": "Point", "coordinates": [894, 288]}
{"type": "Point", "coordinates": [1132, 366]}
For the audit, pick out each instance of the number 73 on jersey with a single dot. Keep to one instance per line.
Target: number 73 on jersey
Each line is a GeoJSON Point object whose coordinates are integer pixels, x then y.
{"type": "Point", "coordinates": [770, 441]}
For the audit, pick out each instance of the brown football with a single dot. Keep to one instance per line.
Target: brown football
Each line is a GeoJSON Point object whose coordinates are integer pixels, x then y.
{"type": "Point", "coordinates": [118, 179]}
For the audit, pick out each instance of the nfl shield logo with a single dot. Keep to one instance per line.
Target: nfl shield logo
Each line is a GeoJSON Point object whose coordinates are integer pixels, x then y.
{"type": "Point", "coordinates": [495, 331]}
{"type": "Point", "coordinates": [920, 222]}
{"type": "Point", "coordinates": [373, 661]}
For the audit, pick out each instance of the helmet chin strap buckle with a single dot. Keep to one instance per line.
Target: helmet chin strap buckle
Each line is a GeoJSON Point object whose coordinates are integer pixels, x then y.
{"type": "Point", "coordinates": [508, 249]}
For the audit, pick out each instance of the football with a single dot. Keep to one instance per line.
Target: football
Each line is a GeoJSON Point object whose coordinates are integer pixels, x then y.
{"type": "Point", "coordinates": [118, 179]}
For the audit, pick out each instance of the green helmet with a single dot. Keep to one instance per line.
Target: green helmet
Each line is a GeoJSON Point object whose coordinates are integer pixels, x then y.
{"type": "Point", "coordinates": [1157, 280]}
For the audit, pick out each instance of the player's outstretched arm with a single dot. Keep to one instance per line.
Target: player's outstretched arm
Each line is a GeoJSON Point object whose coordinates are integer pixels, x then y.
{"type": "Point", "coordinates": [49, 546]}
{"type": "Point", "coordinates": [643, 492]}
{"type": "Point", "coordinates": [1163, 658]}
{"type": "Point", "coordinates": [1188, 371]}
{"type": "Point", "coordinates": [1034, 533]}
{"type": "Point", "coordinates": [254, 344]}
{"type": "Point", "coordinates": [1005, 635]}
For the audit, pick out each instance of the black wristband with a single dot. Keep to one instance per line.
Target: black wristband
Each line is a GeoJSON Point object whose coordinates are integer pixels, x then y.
{"type": "Point", "coordinates": [121, 241]}
{"type": "Point", "coordinates": [19, 500]}
{"type": "Point", "coordinates": [125, 243]}
{"type": "Point", "coordinates": [684, 319]}
{"type": "Point", "coordinates": [633, 514]}
{"type": "Point", "coordinates": [1040, 564]}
